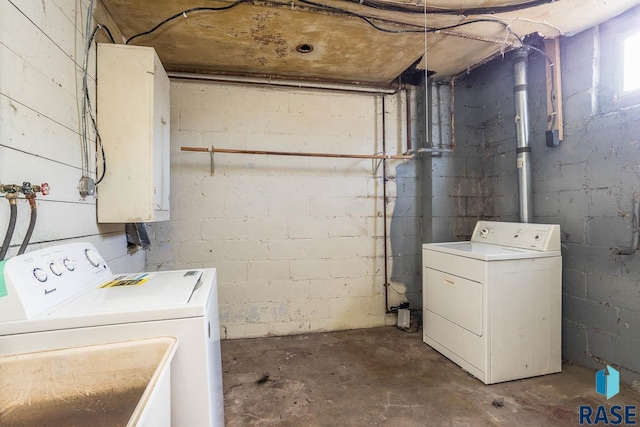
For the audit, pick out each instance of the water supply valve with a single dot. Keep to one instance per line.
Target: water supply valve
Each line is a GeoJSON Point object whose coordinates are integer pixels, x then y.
{"type": "Point", "coordinates": [10, 188]}
{"type": "Point", "coordinates": [28, 189]}
{"type": "Point", "coordinates": [44, 189]}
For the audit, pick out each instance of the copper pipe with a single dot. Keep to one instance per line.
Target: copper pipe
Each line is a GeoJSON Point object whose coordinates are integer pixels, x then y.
{"type": "Point", "coordinates": [292, 153]}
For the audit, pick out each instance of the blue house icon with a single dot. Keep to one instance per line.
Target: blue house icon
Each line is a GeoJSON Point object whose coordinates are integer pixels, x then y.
{"type": "Point", "coordinates": [608, 382]}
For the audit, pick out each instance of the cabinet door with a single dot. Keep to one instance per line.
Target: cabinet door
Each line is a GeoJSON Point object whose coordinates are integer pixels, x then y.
{"type": "Point", "coordinates": [161, 131]}
{"type": "Point", "coordinates": [133, 118]}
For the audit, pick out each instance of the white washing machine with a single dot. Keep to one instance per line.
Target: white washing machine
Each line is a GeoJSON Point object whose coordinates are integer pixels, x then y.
{"type": "Point", "coordinates": [66, 296]}
{"type": "Point", "coordinates": [493, 305]}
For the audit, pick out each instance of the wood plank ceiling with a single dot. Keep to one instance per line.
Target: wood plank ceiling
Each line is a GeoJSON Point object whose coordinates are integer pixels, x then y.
{"type": "Point", "coordinates": [368, 41]}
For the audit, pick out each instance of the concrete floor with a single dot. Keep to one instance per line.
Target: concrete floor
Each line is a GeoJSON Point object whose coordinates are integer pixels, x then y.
{"type": "Point", "coordinates": [384, 376]}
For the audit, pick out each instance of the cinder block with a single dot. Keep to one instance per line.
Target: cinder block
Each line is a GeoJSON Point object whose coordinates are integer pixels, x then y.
{"type": "Point", "coordinates": [347, 227]}
{"type": "Point", "coordinates": [348, 268]}
{"type": "Point", "coordinates": [285, 249]}
{"type": "Point", "coordinates": [272, 100]}
{"type": "Point", "coordinates": [346, 323]}
{"type": "Point", "coordinates": [290, 124]}
{"type": "Point", "coordinates": [289, 328]}
{"type": "Point", "coordinates": [298, 206]}
{"type": "Point", "coordinates": [308, 228]}
{"type": "Point", "coordinates": [337, 247]}
{"type": "Point", "coordinates": [242, 204]}
{"type": "Point", "coordinates": [201, 251]}
{"type": "Point", "coordinates": [343, 206]}
{"type": "Point", "coordinates": [222, 229]}
{"type": "Point", "coordinates": [310, 269]}
{"type": "Point", "coordinates": [244, 250]}
{"type": "Point", "coordinates": [347, 307]}
{"type": "Point", "coordinates": [615, 349]}
{"type": "Point", "coordinates": [578, 52]}
{"type": "Point", "coordinates": [302, 103]}
{"type": "Point", "coordinates": [268, 270]}
{"type": "Point", "coordinates": [574, 283]}
{"type": "Point", "coordinates": [266, 312]}
{"type": "Point", "coordinates": [590, 313]}
{"type": "Point", "coordinates": [192, 209]}
{"type": "Point", "coordinates": [241, 293]}
{"type": "Point", "coordinates": [324, 289]}
{"type": "Point", "coordinates": [231, 314]}
{"type": "Point", "coordinates": [246, 331]}
{"type": "Point", "coordinates": [614, 232]}
{"type": "Point", "coordinates": [574, 344]}
{"type": "Point", "coordinates": [361, 287]}
{"type": "Point", "coordinates": [305, 310]}
{"type": "Point", "coordinates": [231, 271]}
{"type": "Point", "coordinates": [265, 228]}
{"type": "Point", "coordinates": [630, 324]}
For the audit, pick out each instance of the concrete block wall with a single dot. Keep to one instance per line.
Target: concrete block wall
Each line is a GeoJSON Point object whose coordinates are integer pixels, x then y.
{"type": "Point", "coordinates": [41, 56]}
{"type": "Point", "coordinates": [297, 240]}
{"type": "Point", "coordinates": [586, 185]}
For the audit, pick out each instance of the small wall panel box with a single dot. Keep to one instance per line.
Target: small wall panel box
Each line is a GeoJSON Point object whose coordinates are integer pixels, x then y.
{"type": "Point", "coordinates": [133, 121]}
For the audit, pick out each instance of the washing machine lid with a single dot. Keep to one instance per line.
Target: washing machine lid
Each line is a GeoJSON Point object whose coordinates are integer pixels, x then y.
{"type": "Point", "coordinates": [130, 298]}
{"type": "Point", "coordinates": [140, 291]}
{"type": "Point", "coordinates": [486, 251]}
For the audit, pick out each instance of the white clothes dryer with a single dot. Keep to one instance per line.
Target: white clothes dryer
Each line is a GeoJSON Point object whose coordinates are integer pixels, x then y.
{"type": "Point", "coordinates": [493, 305]}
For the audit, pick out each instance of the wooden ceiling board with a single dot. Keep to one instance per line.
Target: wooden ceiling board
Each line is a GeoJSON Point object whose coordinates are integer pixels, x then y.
{"type": "Point", "coordinates": [259, 38]}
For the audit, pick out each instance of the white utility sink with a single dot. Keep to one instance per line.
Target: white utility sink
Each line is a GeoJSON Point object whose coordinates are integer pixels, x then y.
{"type": "Point", "coordinates": [114, 384]}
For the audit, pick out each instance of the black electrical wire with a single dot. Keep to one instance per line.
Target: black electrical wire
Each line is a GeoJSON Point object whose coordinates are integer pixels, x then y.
{"type": "Point", "coordinates": [90, 109]}
{"type": "Point", "coordinates": [106, 30]}
{"type": "Point", "coordinates": [183, 13]}
{"type": "Point", "coordinates": [440, 11]}
{"type": "Point", "coordinates": [327, 7]}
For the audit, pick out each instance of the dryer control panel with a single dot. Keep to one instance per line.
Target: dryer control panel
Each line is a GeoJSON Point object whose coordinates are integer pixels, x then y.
{"type": "Point", "coordinates": [537, 237]}
{"type": "Point", "coordinates": [40, 280]}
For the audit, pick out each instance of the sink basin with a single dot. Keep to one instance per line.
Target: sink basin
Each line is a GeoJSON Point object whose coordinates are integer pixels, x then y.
{"type": "Point", "coordinates": [114, 384]}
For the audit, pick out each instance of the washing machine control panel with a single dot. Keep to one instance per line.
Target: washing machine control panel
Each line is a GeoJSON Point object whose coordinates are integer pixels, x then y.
{"type": "Point", "coordinates": [37, 281]}
{"type": "Point", "coordinates": [539, 237]}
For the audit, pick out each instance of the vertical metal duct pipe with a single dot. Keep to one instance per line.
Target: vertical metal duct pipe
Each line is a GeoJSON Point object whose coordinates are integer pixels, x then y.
{"type": "Point", "coordinates": [523, 151]}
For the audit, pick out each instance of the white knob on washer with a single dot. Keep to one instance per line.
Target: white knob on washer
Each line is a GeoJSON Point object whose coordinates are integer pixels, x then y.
{"type": "Point", "coordinates": [92, 257]}
{"type": "Point", "coordinates": [40, 274]}
{"type": "Point", "coordinates": [55, 268]}
{"type": "Point", "coordinates": [69, 264]}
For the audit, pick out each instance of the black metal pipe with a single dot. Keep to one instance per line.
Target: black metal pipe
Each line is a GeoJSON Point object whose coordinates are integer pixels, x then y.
{"type": "Point", "coordinates": [10, 228]}
{"type": "Point", "coordinates": [384, 210]}
{"type": "Point", "coordinates": [32, 224]}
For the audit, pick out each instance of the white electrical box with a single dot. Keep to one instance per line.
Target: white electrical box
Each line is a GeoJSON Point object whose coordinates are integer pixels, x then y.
{"type": "Point", "coordinates": [133, 121]}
